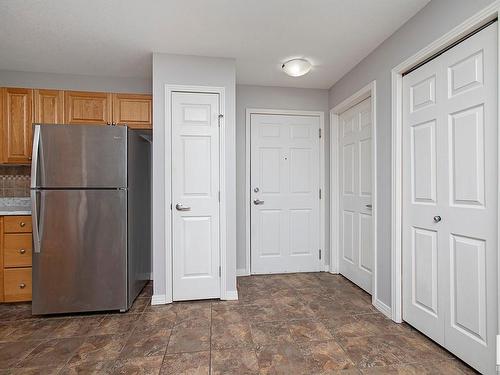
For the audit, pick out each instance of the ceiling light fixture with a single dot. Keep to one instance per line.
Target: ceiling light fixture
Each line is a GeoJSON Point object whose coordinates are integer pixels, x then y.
{"type": "Point", "coordinates": [296, 67]}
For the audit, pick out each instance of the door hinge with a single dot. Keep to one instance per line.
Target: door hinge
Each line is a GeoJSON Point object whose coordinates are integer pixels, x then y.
{"type": "Point", "coordinates": [170, 206]}
{"type": "Point", "coordinates": [219, 195]}
{"type": "Point", "coordinates": [219, 118]}
{"type": "Point", "coordinates": [498, 352]}
{"type": "Point", "coordinates": [220, 273]}
{"type": "Point", "coordinates": [319, 193]}
{"type": "Point", "coordinates": [319, 254]}
{"type": "Point", "coordinates": [320, 132]}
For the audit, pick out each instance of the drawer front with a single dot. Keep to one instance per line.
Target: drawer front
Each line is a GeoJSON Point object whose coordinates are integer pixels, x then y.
{"type": "Point", "coordinates": [17, 250]}
{"type": "Point", "coordinates": [17, 224]}
{"type": "Point", "coordinates": [17, 284]}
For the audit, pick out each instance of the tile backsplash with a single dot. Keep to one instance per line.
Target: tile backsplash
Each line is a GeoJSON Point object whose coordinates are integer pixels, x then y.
{"type": "Point", "coordinates": [14, 181]}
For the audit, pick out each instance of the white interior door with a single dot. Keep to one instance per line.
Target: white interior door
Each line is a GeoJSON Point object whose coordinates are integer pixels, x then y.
{"type": "Point", "coordinates": [355, 201]}
{"type": "Point", "coordinates": [285, 232]}
{"type": "Point", "coordinates": [450, 179]}
{"type": "Point", "coordinates": [195, 196]}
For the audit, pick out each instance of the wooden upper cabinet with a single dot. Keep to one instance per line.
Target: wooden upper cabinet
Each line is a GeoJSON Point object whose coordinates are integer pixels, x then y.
{"type": "Point", "coordinates": [87, 107]}
{"type": "Point", "coordinates": [133, 110]}
{"type": "Point", "coordinates": [49, 106]}
{"type": "Point", "coordinates": [17, 119]}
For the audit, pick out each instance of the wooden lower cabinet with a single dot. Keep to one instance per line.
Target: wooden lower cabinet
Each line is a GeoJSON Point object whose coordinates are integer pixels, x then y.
{"type": "Point", "coordinates": [15, 258]}
{"type": "Point", "coordinates": [17, 249]}
{"type": "Point", "coordinates": [17, 284]}
{"type": "Point", "coordinates": [17, 224]}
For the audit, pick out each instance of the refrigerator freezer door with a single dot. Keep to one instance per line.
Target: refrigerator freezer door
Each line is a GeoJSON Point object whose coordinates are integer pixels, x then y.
{"type": "Point", "coordinates": [82, 260]}
{"type": "Point", "coordinates": [79, 156]}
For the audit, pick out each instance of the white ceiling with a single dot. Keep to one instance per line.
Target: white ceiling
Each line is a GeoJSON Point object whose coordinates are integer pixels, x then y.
{"type": "Point", "coordinates": [116, 37]}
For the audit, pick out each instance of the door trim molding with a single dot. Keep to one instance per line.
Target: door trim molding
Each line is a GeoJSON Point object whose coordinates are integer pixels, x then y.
{"type": "Point", "coordinates": [369, 90]}
{"type": "Point", "coordinates": [169, 89]}
{"type": "Point", "coordinates": [477, 20]}
{"type": "Point", "coordinates": [284, 112]}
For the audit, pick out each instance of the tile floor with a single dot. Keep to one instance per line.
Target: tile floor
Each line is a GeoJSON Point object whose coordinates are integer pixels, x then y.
{"type": "Point", "coordinates": [283, 324]}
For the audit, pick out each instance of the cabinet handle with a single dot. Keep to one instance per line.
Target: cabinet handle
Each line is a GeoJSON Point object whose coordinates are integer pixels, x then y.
{"type": "Point", "coordinates": [22, 251]}
{"type": "Point", "coordinates": [22, 224]}
{"type": "Point", "coordinates": [22, 286]}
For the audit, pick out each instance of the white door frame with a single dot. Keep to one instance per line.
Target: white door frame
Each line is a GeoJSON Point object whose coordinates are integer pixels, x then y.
{"type": "Point", "coordinates": [479, 19]}
{"type": "Point", "coordinates": [284, 112]}
{"type": "Point", "coordinates": [169, 89]}
{"type": "Point", "coordinates": [362, 94]}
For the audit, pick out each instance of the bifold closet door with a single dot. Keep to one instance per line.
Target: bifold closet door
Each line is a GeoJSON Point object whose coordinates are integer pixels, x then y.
{"type": "Point", "coordinates": [195, 196]}
{"type": "Point", "coordinates": [450, 179]}
{"type": "Point", "coordinates": [355, 201]}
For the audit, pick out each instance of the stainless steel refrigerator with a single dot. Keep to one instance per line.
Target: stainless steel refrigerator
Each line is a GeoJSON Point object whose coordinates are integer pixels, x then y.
{"type": "Point", "coordinates": [91, 212]}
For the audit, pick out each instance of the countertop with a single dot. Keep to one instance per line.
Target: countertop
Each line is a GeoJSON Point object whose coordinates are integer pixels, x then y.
{"type": "Point", "coordinates": [15, 206]}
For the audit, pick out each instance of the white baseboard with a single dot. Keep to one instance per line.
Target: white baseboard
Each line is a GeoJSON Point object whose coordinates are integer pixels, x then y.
{"type": "Point", "coordinates": [242, 272]}
{"type": "Point", "coordinates": [231, 295]}
{"type": "Point", "coordinates": [158, 299]}
{"type": "Point", "coordinates": [383, 308]}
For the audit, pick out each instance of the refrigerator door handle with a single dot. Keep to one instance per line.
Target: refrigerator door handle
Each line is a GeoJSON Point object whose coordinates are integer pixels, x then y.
{"type": "Point", "coordinates": [34, 213]}
{"type": "Point", "coordinates": [34, 159]}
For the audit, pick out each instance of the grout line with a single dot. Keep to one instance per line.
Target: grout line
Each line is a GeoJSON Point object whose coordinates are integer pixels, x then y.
{"type": "Point", "coordinates": [166, 348]}
{"type": "Point", "coordinates": [210, 348]}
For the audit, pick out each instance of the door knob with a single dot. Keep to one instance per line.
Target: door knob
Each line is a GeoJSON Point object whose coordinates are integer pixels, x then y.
{"type": "Point", "coordinates": [437, 219]}
{"type": "Point", "coordinates": [22, 251]}
{"type": "Point", "coordinates": [369, 206]}
{"type": "Point", "coordinates": [181, 207]}
{"type": "Point", "coordinates": [258, 201]}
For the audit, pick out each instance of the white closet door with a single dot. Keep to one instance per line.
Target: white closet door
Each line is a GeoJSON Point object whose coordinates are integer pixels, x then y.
{"type": "Point", "coordinates": [356, 223]}
{"type": "Point", "coordinates": [450, 155]}
{"type": "Point", "coordinates": [285, 194]}
{"type": "Point", "coordinates": [195, 196]}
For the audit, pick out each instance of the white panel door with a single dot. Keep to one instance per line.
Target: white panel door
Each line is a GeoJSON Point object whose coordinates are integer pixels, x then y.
{"type": "Point", "coordinates": [450, 179]}
{"type": "Point", "coordinates": [195, 196]}
{"type": "Point", "coordinates": [284, 194]}
{"type": "Point", "coordinates": [355, 201]}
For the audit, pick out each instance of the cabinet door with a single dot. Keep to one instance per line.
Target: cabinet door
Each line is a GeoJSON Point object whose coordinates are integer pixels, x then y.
{"type": "Point", "coordinates": [17, 125]}
{"type": "Point", "coordinates": [49, 106]}
{"type": "Point", "coordinates": [17, 284]}
{"type": "Point", "coordinates": [133, 110]}
{"type": "Point", "coordinates": [1, 257]}
{"type": "Point", "coordinates": [87, 107]}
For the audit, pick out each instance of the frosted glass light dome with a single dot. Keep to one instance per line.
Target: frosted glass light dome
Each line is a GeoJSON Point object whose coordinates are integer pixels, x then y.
{"type": "Point", "coordinates": [296, 67]}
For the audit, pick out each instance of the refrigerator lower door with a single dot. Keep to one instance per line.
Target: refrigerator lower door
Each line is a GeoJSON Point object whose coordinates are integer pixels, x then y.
{"type": "Point", "coordinates": [80, 263]}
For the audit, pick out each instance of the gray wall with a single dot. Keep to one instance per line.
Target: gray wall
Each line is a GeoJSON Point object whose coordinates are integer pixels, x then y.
{"type": "Point", "coordinates": [199, 71]}
{"type": "Point", "coordinates": [74, 82]}
{"type": "Point", "coordinates": [434, 20]}
{"type": "Point", "coordinates": [272, 98]}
